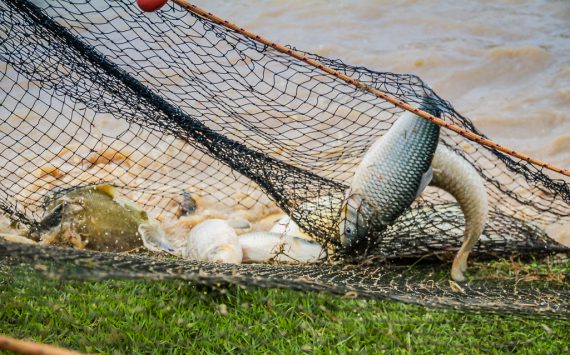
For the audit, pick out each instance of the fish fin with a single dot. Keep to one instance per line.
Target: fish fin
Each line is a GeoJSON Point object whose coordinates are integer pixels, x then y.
{"type": "Point", "coordinates": [14, 238]}
{"type": "Point", "coordinates": [187, 205]}
{"type": "Point", "coordinates": [54, 218]}
{"type": "Point", "coordinates": [107, 189]}
{"type": "Point", "coordinates": [426, 179]}
{"type": "Point", "coordinates": [154, 239]}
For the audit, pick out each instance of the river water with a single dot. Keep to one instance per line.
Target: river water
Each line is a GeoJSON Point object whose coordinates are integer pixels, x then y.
{"type": "Point", "coordinates": [503, 64]}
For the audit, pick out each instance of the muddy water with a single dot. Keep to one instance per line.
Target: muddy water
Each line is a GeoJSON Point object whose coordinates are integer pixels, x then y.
{"type": "Point", "coordinates": [504, 64]}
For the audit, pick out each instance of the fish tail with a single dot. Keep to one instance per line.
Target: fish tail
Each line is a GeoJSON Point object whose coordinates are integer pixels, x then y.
{"type": "Point", "coordinates": [154, 239]}
{"type": "Point", "coordinates": [456, 176]}
{"type": "Point", "coordinates": [107, 189]}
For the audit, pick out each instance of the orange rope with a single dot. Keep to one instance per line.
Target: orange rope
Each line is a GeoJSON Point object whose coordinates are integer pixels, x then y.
{"type": "Point", "coordinates": [361, 86]}
{"type": "Point", "coordinates": [27, 347]}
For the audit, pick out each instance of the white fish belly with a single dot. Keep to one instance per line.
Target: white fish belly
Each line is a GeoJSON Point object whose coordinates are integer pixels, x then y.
{"type": "Point", "coordinates": [215, 241]}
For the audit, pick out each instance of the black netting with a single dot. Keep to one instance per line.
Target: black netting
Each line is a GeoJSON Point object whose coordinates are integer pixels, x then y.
{"type": "Point", "coordinates": [157, 104]}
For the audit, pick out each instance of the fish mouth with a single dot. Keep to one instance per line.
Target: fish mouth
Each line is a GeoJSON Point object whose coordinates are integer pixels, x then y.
{"type": "Point", "coordinates": [353, 226]}
{"type": "Point", "coordinates": [358, 246]}
{"type": "Point", "coordinates": [353, 245]}
{"type": "Point", "coordinates": [345, 240]}
{"type": "Point", "coordinates": [363, 238]}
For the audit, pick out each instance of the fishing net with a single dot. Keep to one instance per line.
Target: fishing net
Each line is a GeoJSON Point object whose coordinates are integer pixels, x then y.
{"type": "Point", "coordinates": [158, 104]}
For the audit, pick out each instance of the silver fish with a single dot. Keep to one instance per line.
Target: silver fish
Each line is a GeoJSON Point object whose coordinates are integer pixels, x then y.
{"type": "Point", "coordinates": [154, 238]}
{"type": "Point", "coordinates": [214, 240]}
{"type": "Point", "coordinates": [267, 246]}
{"type": "Point", "coordinates": [455, 175]}
{"type": "Point", "coordinates": [394, 171]}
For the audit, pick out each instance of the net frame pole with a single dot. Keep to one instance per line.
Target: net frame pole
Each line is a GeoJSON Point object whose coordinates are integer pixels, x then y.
{"type": "Point", "coordinates": [28, 347]}
{"type": "Point", "coordinates": [361, 86]}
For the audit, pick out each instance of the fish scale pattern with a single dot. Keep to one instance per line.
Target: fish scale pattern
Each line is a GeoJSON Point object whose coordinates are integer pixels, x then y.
{"type": "Point", "coordinates": [157, 104]}
{"type": "Point", "coordinates": [410, 144]}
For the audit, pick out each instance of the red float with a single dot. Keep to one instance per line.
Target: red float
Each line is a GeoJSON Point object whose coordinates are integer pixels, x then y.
{"type": "Point", "coordinates": [151, 5]}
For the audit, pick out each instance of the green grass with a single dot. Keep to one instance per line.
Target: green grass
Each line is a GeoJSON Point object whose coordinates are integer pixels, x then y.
{"type": "Point", "coordinates": [177, 317]}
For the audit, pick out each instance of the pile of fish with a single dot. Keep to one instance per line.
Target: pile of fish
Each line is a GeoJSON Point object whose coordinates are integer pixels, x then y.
{"type": "Point", "coordinates": [96, 218]}
{"type": "Point", "coordinates": [253, 247]}
{"type": "Point", "coordinates": [393, 173]}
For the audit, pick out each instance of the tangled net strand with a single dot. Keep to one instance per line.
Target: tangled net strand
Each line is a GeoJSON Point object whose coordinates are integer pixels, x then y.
{"type": "Point", "coordinates": [216, 113]}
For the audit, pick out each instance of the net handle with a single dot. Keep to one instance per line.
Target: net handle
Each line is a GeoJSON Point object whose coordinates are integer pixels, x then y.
{"type": "Point", "coordinates": [27, 347]}
{"type": "Point", "coordinates": [361, 86]}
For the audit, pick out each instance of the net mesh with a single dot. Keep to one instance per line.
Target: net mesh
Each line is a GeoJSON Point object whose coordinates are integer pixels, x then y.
{"type": "Point", "coordinates": [157, 104]}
